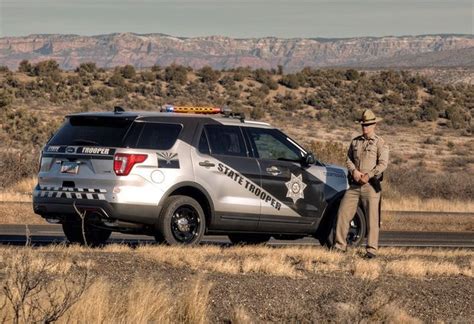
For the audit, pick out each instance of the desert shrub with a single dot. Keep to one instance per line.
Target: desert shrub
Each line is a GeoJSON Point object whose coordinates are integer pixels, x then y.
{"type": "Point", "coordinates": [147, 76]}
{"type": "Point", "coordinates": [88, 67]}
{"type": "Point", "coordinates": [25, 67]}
{"type": "Point", "coordinates": [328, 152]}
{"type": "Point", "coordinates": [101, 94]}
{"type": "Point", "coordinates": [116, 80]}
{"type": "Point", "coordinates": [128, 71]}
{"type": "Point", "coordinates": [176, 74]}
{"type": "Point", "coordinates": [456, 117]}
{"type": "Point", "coordinates": [291, 81]}
{"type": "Point", "coordinates": [49, 68]}
{"type": "Point", "coordinates": [17, 165]}
{"type": "Point", "coordinates": [6, 98]}
{"type": "Point", "coordinates": [208, 74]}
{"type": "Point", "coordinates": [352, 75]}
{"type": "Point", "coordinates": [264, 77]}
{"type": "Point", "coordinates": [227, 82]}
{"type": "Point", "coordinates": [423, 183]}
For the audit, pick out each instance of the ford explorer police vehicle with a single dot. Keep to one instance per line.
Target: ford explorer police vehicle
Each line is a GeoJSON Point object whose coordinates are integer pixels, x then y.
{"type": "Point", "coordinates": [178, 175]}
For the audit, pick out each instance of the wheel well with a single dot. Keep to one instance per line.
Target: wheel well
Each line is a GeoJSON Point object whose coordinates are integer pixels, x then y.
{"type": "Point", "coordinates": [329, 217]}
{"type": "Point", "coordinates": [199, 196]}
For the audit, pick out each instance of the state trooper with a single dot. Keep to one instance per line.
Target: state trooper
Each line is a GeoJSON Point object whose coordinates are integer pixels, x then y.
{"type": "Point", "coordinates": [367, 159]}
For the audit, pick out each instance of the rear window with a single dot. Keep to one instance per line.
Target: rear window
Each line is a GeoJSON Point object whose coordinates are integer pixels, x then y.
{"type": "Point", "coordinates": [92, 131]}
{"type": "Point", "coordinates": [158, 136]}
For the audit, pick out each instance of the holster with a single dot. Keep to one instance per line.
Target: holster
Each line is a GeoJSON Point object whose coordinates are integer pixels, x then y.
{"type": "Point", "coordinates": [375, 182]}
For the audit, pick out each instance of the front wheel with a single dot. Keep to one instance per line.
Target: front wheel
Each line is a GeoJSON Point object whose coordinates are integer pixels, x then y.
{"type": "Point", "coordinates": [181, 222]}
{"type": "Point", "coordinates": [355, 236]}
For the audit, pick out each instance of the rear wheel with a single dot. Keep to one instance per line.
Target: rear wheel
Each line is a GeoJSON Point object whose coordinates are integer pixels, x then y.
{"type": "Point", "coordinates": [181, 222]}
{"type": "Point", "coordinates": [249, 239]}
{"type": "Point", "coordinates": [93, 236]}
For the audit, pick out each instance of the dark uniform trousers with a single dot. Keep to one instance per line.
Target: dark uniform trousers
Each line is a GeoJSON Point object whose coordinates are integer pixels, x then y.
{"type": "Point", "coordinates": [370, 202]}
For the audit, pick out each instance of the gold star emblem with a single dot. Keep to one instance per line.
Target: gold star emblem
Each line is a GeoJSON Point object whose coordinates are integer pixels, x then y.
{"type": "Point", "coordinates": [295, 187]}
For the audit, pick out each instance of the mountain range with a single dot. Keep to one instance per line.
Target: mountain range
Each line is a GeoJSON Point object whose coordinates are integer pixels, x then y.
{"type": "Point", "coordinates": [144, 50]}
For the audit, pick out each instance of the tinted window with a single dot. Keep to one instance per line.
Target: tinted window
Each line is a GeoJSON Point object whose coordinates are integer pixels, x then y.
{"type": "Point", "coordinates": [92, 131]}
{"type": "Point", "coordinates": [158, 136]}
{"type": "Point", "coordinates": [226, 140]}
{"type": "Point", "coordinates": [203, 144]}
{"type": "Point", "coordinates": [274, 145]}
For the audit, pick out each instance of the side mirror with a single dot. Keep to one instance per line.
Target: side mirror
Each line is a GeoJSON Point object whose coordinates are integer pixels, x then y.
{"type": "Point", "coordinates": [309, 159]}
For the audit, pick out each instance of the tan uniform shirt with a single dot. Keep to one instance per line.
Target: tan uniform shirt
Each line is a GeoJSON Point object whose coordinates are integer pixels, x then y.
{"type": "Point", "coordinates": [368, 155]}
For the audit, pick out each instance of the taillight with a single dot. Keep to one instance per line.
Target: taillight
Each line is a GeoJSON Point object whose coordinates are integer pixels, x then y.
{"type": "Point", "coordinates": [123, 162]}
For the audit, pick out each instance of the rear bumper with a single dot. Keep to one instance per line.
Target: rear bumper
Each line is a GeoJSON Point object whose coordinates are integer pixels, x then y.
{"type": "Point", "coordinates": [61, 207]}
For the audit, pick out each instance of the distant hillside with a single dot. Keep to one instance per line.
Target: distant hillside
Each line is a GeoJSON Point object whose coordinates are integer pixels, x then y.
{"type": "Point", "coordinates": [224, 52]}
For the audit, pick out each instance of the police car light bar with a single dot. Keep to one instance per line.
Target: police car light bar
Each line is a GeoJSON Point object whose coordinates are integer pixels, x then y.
{"type": "Point", "coordinates": [193, 109]}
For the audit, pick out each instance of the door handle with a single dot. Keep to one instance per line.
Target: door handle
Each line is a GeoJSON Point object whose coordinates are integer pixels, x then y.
{"type": "Point", "coordinates": [207, 164]}
{"type": "Point", "coordinates": [273, 170]}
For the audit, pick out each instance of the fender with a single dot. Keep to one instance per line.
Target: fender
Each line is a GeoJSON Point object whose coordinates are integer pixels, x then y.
{"type": "Point", "coordinates": [191, 184]}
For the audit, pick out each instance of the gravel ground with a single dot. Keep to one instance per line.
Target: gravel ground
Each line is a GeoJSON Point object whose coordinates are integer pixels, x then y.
{"type": "Point", "coordinates": [315, 297]}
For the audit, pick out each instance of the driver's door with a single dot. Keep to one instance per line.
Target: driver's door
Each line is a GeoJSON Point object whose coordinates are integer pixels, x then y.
{"type": "Point", "coordinates": [284, 177]}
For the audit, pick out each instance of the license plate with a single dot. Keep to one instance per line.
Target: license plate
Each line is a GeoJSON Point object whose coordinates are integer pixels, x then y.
{"type": "Point", "coordinates": [69, 167]}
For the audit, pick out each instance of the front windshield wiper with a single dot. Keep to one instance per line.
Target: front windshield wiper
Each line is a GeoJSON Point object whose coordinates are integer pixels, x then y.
{"type": "Point", "coordinates": [85, 141]}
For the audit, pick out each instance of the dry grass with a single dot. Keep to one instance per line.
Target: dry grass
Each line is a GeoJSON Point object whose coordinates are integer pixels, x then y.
{"type": "Point", "coordinates": [296, 262]}
{"type": "Point", "coordinates": [434, 204]}
{"type": "Point", "coordinates": [430, 223]}
{"type": "Point", "coordinates": [422, 268]}
{"type": "Point", "coordinates": [141, 301]}
{"type": "Point", "coordinates": [287, 262]}
{"type": "Point", "coordinates": [19, 213]}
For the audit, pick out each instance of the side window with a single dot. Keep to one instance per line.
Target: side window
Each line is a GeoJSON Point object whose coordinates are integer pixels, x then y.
{"type": "Point", "coordinates": [203, 144]}
{"type": "Point", "coordinates": [273, 145]}
{"type": "Point", "coordinates": [158, 136]}
{"type": "Point", "coordinates": [226, 140]}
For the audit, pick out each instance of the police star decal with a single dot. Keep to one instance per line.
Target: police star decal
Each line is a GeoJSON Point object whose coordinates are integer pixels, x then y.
{"type": "Point", "coordinates": [295, 187]}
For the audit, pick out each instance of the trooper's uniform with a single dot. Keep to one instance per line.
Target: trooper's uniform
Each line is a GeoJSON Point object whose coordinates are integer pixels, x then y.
{"type": "Point", "coordinates": [369, 156]}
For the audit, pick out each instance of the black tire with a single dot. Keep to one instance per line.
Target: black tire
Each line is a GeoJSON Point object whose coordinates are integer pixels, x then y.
{"type": "Point", "coordinates": [181, 221]}
{"type": "Point", "coordinates": [355, 236]}
{"type": "Point", "coordinates": [249, 239]}
{"type": "Point", "coordinates": [94, 236]}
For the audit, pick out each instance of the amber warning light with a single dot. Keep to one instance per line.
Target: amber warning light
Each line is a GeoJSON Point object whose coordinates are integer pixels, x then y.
{"type": "Point", "coordinates": [193, 109]}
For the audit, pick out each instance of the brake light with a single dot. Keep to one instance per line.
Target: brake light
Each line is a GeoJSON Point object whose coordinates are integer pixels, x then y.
{"type": "Point", "coordinates": [123, 163]}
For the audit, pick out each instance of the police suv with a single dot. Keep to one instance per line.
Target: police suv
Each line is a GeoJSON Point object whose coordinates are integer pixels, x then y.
{"type": "Point", "coordinates": [178, 175]}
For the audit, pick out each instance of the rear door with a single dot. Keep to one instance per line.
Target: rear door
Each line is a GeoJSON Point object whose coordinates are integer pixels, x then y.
{"type": "Point", "coordinates": [223, 166]}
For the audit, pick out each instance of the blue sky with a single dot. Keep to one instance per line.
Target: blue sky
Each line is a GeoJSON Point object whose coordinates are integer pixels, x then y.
{"type": "Point", "coordinates": [256, 18]}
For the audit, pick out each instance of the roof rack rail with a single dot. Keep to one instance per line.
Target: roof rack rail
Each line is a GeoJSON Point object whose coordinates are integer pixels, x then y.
{"type": "Point", "coordinates": [118, 110]}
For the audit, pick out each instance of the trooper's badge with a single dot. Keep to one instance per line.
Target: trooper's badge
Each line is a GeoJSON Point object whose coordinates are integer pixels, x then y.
{"type": "Point", "coordinates": [295, 187]}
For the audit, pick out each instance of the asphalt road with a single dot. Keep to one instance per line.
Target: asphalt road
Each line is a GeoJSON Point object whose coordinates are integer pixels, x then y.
{"type": "Point", "coordinates": [48, 234]}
